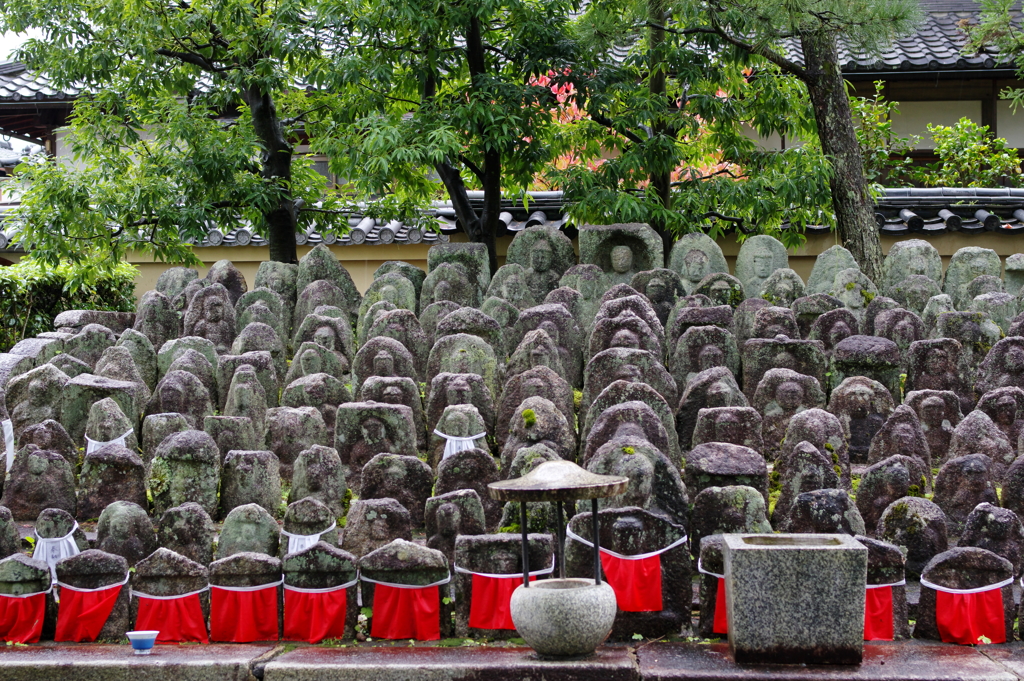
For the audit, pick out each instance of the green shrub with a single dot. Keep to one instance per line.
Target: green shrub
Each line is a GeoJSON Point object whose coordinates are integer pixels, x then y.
{"type": "Point", "coordinates": [32, 295]}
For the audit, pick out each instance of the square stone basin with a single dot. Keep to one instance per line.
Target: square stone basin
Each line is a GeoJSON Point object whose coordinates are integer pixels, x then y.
{"type": "Point", "coordinates": [795, 598]}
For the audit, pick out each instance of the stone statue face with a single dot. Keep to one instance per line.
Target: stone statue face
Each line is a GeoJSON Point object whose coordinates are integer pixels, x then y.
{"type": "Point", "coordinates": [763, 265]}
{"type": "Point", "coordinates": [539, 356]}
{"type": "Point", "coordinates": [588, 287]}
{"type": "Point", "coordinates": [37, 393]}
{"type": "Point", "coordinates": [624, 338]}
{"type": "Point", "coordinates": [719, 394]}
{"type": "Point", "coordinates": [389, 293]}
{"type": "Point", "coordinates": [1006, 410]}
{"type": "Point", "coordinates": [933, 410]}
{"type": "Point", "coordinates": [789, 395]}
{"type": "Point", "coordinates": [917, 265]}
{"type": "Point", "coordinates": [853, 297]}
{"type": "Point", "coordinates": [310, 362]}
{"type": "Point", "coordinates": [540, 258]}
{"type": "Point", "coordinates": [860, 401]}
{"type": "Point", "coordinates": [630, 429]}
{"type": "Point", "coordinates": [443, 291]}
{"type": "Point", "coordinates": [448, 520]}
{"type": "Point", "coordinates": [214, 309]}
{"type": "Point", "coordinates": [37, 465]}
{"type": "Point", "coordinates": [936, 363]}
{"type": "Point", "coordinates": [373, 430]}
{"type": "Point", "coordinates": [534, 387]}
{"type": "Point", "coordinates": [710, 356]}
{"type": "Point", "coordinates": [628, 372]}
{"type": "Point", "coordinates": [392, 395]}
{"type": "Point", "coordinates": [695, 265]}
{"type": "Point", "coordinates": [977, 266]}
{"type": "Point", "coordinates": [457, 424]}
{"type": "Point", "coordinates": [326, 337]}
{"type": "Point", "coordinates": [903, 437]}
{"type": "Point", "coordinates": [641, 480]}
{"type": "Point", "coordinates": [379, 528]}
{"type": "Point", "coordinates": [1013, 360]}
{"type": "Point", "coordinates": [728, 429]}
{"type": "Point", "coordinates": [551, 330]}
{"type": "Point", "coordinates": [904, 333]}
{"type": "Point", "coordinates": [384, 364]}
{"type": "Point", "coordinates": [171, 396]}
{"type": "Point", "coordinates": [622, 259]}
{"type": "Point", "coordinates": [657, 290]}
{"type": "Point", "coordinates": [838, 332]}
{"type": "Point", "coordinates": [459, 392]}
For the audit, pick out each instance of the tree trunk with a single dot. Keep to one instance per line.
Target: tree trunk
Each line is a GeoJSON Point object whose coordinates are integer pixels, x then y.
{"type": "Point", "coordinates": [853, 207]}
{"type": "Point", "coordinates": [661, 180]}
{"type": "Point", "coordinates": [476, 228]}
{"type": "Point", "coordinates": [280, 221]}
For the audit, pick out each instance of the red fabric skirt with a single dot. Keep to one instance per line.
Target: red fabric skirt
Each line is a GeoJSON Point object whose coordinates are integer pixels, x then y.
{"type": "Point", "coordinates": [400, 613]}
{"type": "Point", "coordinates": [721, 623]}
{"type": "Point", "coordinates": [637, 583]}
{"type": "Point", "coordinates": [313, 617]}
{"type": "Point", "coordinates": [21, 619]}
{"type": "Point", "coordinates": [878, 624]}
{"type": "Point", "coordinates": [82, 614]}
{"type": "Point", "coordinates": [243, 616]}
{"type": "Point", "coordinates": [489, 608]}
{"type": "Point", "coordinates": [178, 620]}
{"type": "Point", "coordinates": [970, 618]}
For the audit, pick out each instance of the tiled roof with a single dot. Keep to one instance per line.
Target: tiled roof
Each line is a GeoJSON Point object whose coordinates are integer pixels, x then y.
{"type": "Point", "coordinates": [937, 45]}
{"type": "Point", "coordinates": [545, 208]}
{"type": "Point", "coordinates": [900, 212]}
{"type": "Point", "coordinates": [18, 85]}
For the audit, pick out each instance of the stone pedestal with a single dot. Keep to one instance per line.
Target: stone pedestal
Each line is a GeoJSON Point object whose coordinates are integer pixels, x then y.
{"type": "Point", "coordinates": [795, 598]}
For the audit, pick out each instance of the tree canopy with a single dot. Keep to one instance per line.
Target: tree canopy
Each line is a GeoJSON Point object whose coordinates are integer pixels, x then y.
{"type": "Point", "coordinates": [192, 115]}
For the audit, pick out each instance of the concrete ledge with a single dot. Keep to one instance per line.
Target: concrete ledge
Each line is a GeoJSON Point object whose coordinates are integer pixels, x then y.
{"type": "Point", "coordinates": [445, 664]}
{"type": "Point", "coordinates": [903, 661]}
{"type": "Point", "coordinates": [102, 662]}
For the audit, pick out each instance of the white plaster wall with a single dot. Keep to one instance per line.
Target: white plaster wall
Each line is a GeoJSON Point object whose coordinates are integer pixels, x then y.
{"type": "Point", "coordinates": [1010, 124]}
{"type": "Point", "coordinates": [914, 117]}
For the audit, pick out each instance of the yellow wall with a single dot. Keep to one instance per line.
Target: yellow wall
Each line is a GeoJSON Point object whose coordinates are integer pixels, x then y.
{"type": "Point", "coordinates": [362, 261]}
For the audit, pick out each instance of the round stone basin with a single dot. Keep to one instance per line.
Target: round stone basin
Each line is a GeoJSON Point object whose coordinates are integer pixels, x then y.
{"type": "Point", "coordinates": [564, 617]}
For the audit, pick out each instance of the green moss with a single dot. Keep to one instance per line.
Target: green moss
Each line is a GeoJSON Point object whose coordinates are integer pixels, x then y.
{"type": "Point", "coordinates": [868, 296]}
{"type": "Point", "coordinates": [628, 450]}
{"type": "Point", "coordinates": [529, 418]}
{"type": "Point", "coordinates": [577, 399]}
{"type": "Point", "coordinates": [914, 491]}
{"type": "Point", "coordinates": [850, 285]}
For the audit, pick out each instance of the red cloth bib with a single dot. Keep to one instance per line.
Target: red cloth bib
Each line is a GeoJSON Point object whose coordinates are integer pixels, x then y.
{"type": "Point", "coordinates": [312, 617]}
{"type": "Point", "coordinates": [243, 616]}
{"type": "Point", "coordinates": [721, 622]}
{"type": "Point", "coordinates": [21, 619]}
{"type": "Point", "coordinates": [878, 624]}
{"type": "Point", "coordinates": [406, 613]}
{"type": "Point", "coordinates": [177, 619]}
{"type": "Point", "coordinates": [637, 583]}
{"type": "Point", "coordinates": [965, 618]}
{"type": "Point", "coordinates": [489, 608]}
{"type": "Point", "coordinates": [82, 614]}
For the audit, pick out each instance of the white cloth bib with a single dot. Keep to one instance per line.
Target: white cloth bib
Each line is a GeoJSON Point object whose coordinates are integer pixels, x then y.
{"type": "Point", "coordinates": [301, 542]}
{"type": "Point", "coordinates": [94, 446]}
{"type": "Point", "coordinates": [50, 551]}
{"type": "Point", "coordinates": [457, 444]}
{"type": "Point", "coordinates": [8, 442]}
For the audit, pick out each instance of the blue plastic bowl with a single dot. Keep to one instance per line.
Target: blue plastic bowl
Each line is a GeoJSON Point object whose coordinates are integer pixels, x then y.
{"type": "Point", "coordinates": [142, 641]}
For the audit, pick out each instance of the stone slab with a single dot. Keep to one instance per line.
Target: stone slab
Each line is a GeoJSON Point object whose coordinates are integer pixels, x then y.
{"type": "Point", "coordinates": [900, 661]}
{"type": "Point", "coordinates": [103, 662]}
{"type": "Point", "coordinates": [405, 663]}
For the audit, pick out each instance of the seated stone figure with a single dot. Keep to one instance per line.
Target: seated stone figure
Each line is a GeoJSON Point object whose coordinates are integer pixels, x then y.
{"type": "Point", "coordinates": [780, 395]}
{"type": "Point", "coordinates": [862, 406]}
{"type": "Point", "coordinates": [211, 315]}
{"type": "Point", "coordinates": [939, 413]}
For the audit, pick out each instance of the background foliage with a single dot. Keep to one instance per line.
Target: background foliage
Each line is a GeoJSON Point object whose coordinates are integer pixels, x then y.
{"type": "Point", "coordinates": [33, 294]}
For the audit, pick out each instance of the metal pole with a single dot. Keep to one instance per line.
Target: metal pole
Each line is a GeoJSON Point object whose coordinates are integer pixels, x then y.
{"type": "Point", "coordinates": [526, 546]}
{"type": "Point", "coordinates": [560, 539]}
{"type": "Point", "coordinates": [597, 543]}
